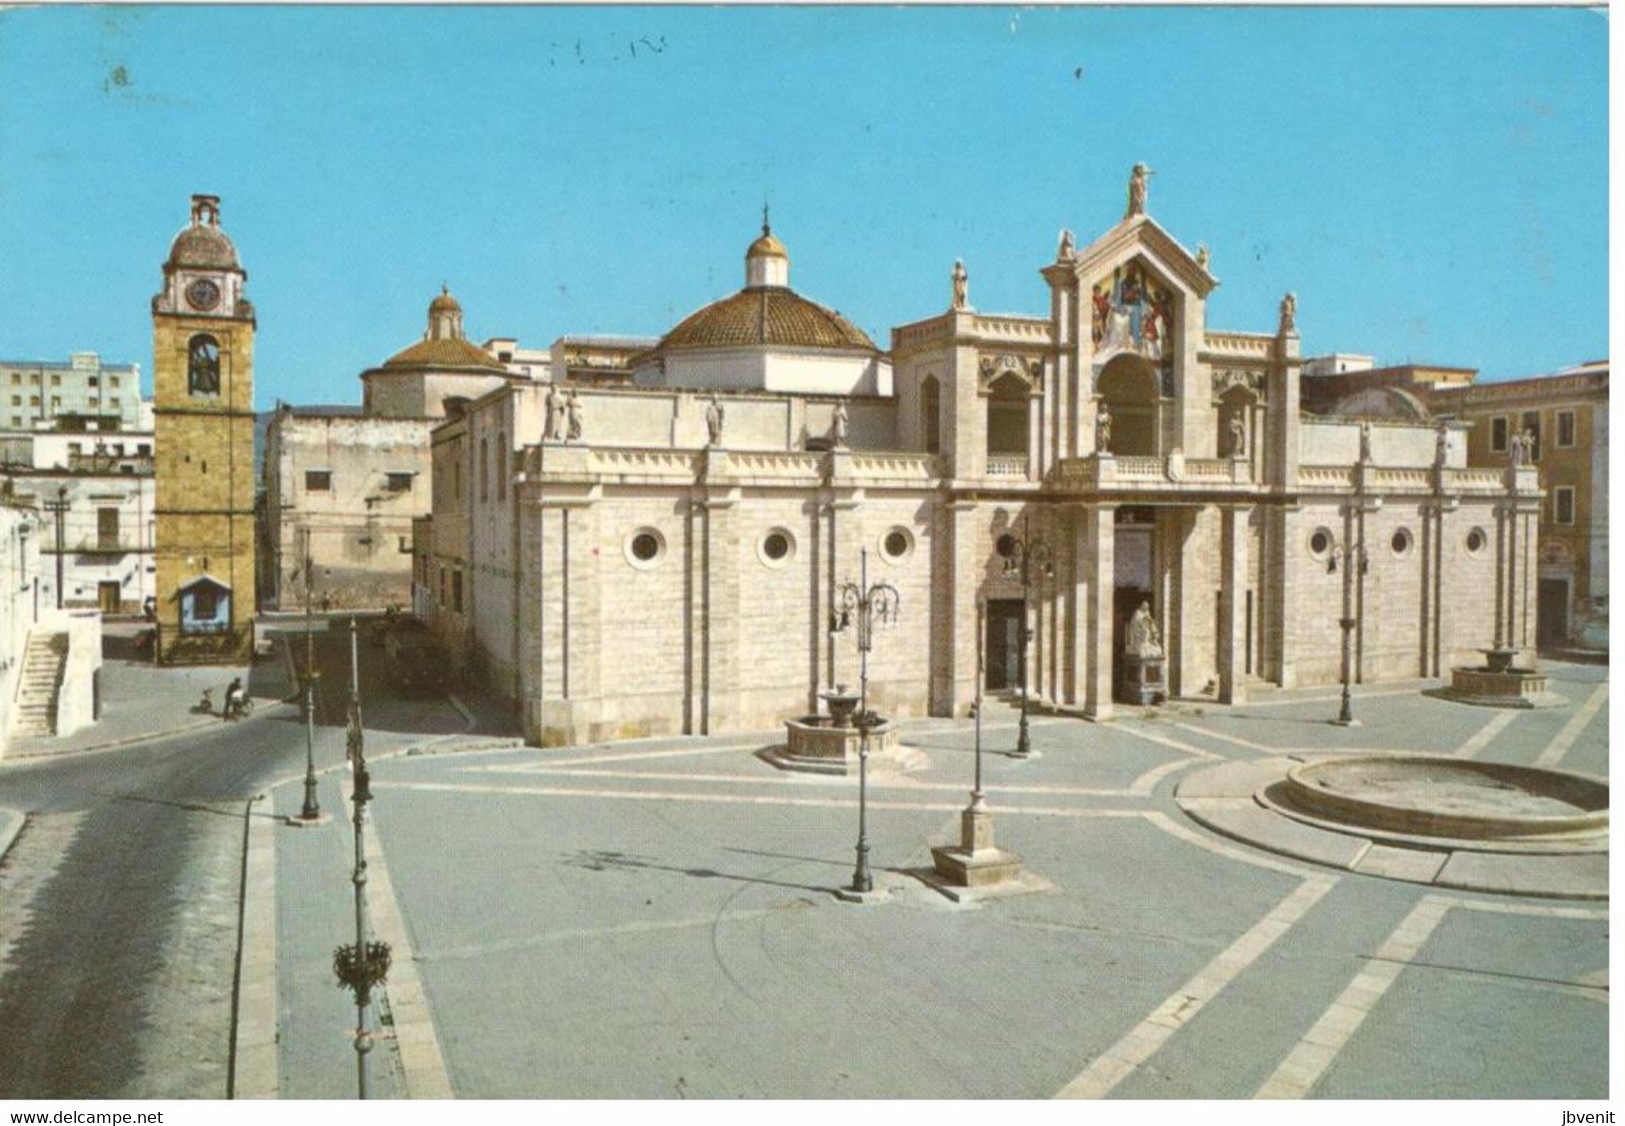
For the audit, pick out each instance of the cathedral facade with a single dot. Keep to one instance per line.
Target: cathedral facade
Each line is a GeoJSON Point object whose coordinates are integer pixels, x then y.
{"type": "Point", "coordinates": [668, 557]}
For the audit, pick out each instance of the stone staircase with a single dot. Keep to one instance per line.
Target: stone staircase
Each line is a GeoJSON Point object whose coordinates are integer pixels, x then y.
{"type": "Point", "coordinates": [40, 684]}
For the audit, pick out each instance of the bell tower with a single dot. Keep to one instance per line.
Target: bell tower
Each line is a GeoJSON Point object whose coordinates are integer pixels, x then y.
{"type": "Point", "coordinates": [203, 405]}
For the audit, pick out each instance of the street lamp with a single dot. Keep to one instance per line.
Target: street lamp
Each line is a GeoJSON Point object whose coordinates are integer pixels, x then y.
{"type": "Point", "coordinates": [311, 809]}
{"type": "Point", "coordinates": [870, 604]}
{"type": "Point", "coordinates": [365, 965]}
{"type": "Point", "coordinates": [1342, 551]}
{"type": "Point", "coordinates": [1025, 559]}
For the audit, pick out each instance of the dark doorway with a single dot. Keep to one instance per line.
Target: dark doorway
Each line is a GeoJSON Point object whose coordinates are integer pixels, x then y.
{"type": "Point", "coordinates": [1553, 624]}
{"type": "Point", "coordinates": [107, 597]}
{"type": "Point", "coordinates": [1004, 649]}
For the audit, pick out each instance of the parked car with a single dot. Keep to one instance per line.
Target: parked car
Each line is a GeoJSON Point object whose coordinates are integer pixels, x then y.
{"type": "Point", "coordinates": [416, 661]}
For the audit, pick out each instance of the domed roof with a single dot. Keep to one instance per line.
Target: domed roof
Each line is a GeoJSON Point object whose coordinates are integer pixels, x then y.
{"type": "Point", "coordinates": [767, 315]}
{"type": "Point", "coordinates": [445, 303]}
{"type": "Point", "coordinates": [203, 246]}
{"type": "Point", "coordinates": [444, 352]}
{"type": "Point", "coordinates": [767, 247]}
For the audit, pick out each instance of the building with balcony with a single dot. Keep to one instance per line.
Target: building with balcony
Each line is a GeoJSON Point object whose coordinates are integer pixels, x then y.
{"type": "Point", "coordinates": [664, 557]}
{"type": "Point", "coordinates": [93, 494]}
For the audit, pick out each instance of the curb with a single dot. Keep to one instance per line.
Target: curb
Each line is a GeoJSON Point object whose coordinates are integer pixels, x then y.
{"type": "Point", "coordinates": [146, 737]}
{"type": "Point", "coordinates": [254, 1071]}
{"type": "Point", "coordinates": [11, 824]}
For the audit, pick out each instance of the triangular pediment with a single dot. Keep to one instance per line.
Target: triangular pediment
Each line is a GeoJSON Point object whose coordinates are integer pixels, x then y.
{"type": "Point", "coordinates": [204, 580]}
{"type": "Point", "coordinates": [1141, 234]}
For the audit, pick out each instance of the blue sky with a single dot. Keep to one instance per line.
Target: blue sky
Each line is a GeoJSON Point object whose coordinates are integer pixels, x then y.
{"type": "Point", "coordinates": [1431, 182]}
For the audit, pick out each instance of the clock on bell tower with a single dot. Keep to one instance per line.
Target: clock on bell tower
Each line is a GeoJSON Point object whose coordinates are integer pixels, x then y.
{"type": "Point", "coordinates": [203, 406]}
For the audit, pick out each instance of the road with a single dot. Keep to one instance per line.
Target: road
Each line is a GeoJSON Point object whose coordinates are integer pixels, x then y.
{"type": "Point", "coordinates": [119, 900]}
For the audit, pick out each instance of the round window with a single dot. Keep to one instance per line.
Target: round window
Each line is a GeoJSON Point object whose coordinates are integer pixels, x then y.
{"type": "Point", "coordinates": [1476, 540]}
{"type": "Point", "coordinates": [1402, 541]}
{"type": "Point", "coordinates": [776, 548]}
{"type": "Point", "coordinates": [1320, 542]}
{"type": "Point", "coordinates": [896, 544]}
{"type": "Point", "coordinates": [644, 547]}
{"type": "Point", "coordinates": [1005, 545]}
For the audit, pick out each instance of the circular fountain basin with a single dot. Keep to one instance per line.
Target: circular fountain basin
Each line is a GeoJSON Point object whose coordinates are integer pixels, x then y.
{"type": "Point", "coordinates": [1445, 798]}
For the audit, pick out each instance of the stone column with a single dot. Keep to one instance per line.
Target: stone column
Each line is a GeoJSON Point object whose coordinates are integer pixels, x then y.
{"type": "Point", "coordinates": [720, 618]}
{"type": "Point", "coordinates": [956, 578]}
{"type": "Point", "coordinates": [1095, 543]}
{"type": "Point", "coordinates": [1232, 602]}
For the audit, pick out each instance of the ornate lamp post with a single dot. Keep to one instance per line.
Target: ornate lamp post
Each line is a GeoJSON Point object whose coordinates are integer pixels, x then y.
{"type": "Point", "coordinates": [311, 809]}
{"type": "Point", "coordinates": [1029, 558]}
{"type": "Point", "coordinates": [1350, 555]}
{"type": "Point", "coordinates": [870, 604]}
{"type": "Point", "coordinates": [364, 965]}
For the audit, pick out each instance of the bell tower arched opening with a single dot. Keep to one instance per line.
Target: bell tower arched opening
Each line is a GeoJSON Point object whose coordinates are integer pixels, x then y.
{"type": "Point", "coordinates": [1129, 389]}
{"type": "Point", "coordinates": [1008, 416]}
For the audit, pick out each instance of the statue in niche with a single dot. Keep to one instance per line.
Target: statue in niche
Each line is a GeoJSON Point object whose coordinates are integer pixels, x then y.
{"type": "Point", "coordinates": [572, 410]}
{"type": "Point", "coordinates": [1202, 255]}
{"type": "Point", "coordinates": [1103, 430]}
{"type": "Point", "coordinates": [961, 285]}
{"type": "Point", "coordinates": [1137, 189]}
{"type": "Point", "coordinates": [1365, 441]}
{"type": "Point", "coordinates": [1289, 313]}
{"type": "Point", "coordinates": [713, 420]}
{"type": "Point", "coordinates": [841, 424]}
{"type": "Point", "coordinates": [1238, 436]}
{"type": "Point", "coordinates": [1142, 638]}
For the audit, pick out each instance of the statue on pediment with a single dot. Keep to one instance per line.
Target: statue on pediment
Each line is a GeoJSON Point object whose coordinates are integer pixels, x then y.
{"type": "Point", "coordinates": [1136, 190]}
{"type": "Point", "coordinates": [1202, 255]}
{"type": "Point", "coordinates": [1067, 251]}
{"type": "Point", "coordinates": [961, 285]}
{"type": "Point", "coordinates": [553, 428]}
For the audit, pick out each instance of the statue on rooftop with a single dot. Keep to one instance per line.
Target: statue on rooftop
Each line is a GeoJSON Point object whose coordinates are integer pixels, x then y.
{"type": "Point", "coordinates": [572, 410]}
{"type": "Point", "coordinates": [1067, 251]}
{"type": "Point", "coordinates": [1289, 314]}
{"type": "Point", "coordinates": [961, 285]}
{"type": "Point", "coordinates": [841, 425]}
{"type": "Point", "coordinates": [553, 429]}
{"type": "Point", "coordinates": [1203, 256]}
{"type": "Point", "coordinates": [1137, 189]}
{"type": "Point", "coordinates": [713, 420]}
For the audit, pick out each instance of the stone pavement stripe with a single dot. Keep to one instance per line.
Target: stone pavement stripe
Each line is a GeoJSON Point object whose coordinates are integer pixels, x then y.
{"type": "Point", "coordinates": [1307, 1062]}
{"type": "Point", "coordinates": [1248, 743]}
{"type": "Point", "coordinates": [1540, 909]}
{"type": "Point", "coordinates": [739, 799]}
{"type": "Point", "coordinates": [1143, 1041]}
{"type": "Point", "coordinates": [1165, 741]}
{"type": "Point", "coordinates": [254, 1070]}
{"type": "Point", "coordinates": [1219, 848]}
{"type": "Point", "coordinates": [1147, 782]}
{"type": "Point", "coordinates": [776, 779]}
{"type": "Point", "coordinates": [589, 760]}
{"type": "Point", "coordinates": [1255, 703]}
{"type": "Point", "coordinates": [415, 1039]}
{"type": "Point", "coordinates": [1559, 746]}
{"type": "Point", "coordinates": [637, 928]}
{"type": "Point", "coordinates": [11, 823]}
{"type": "Point", "coordinates": [1482, 737]}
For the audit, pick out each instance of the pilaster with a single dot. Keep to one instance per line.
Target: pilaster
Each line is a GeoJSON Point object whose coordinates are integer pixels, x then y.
{"type": "Point", "coordinates": [1095, 544]}
{"type": "Point", "coordinates": [1232, 587]}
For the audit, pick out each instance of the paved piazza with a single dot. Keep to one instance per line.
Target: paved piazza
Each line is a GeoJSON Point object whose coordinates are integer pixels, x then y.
{"type": "Point", "coordinates": [656, 919]}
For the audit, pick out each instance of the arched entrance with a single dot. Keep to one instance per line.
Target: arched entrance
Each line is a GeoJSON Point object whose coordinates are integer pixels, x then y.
{"type": "Point", "coordinates": [1128, 387]}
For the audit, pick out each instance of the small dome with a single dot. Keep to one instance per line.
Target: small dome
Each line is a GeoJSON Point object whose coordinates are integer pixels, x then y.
{"type": "Point", "coordinates": [448, 352]}
{"type": "Point", "coordinates": [203, 246]}
{"type": "Point", "coordinates": [767, 247]}
{"type": "Point", "coordinates": [445, 303]}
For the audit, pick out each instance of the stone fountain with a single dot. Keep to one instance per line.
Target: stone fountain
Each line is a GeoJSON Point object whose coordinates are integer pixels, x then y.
{"type": "Point", "coordinates": [829, 744]}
